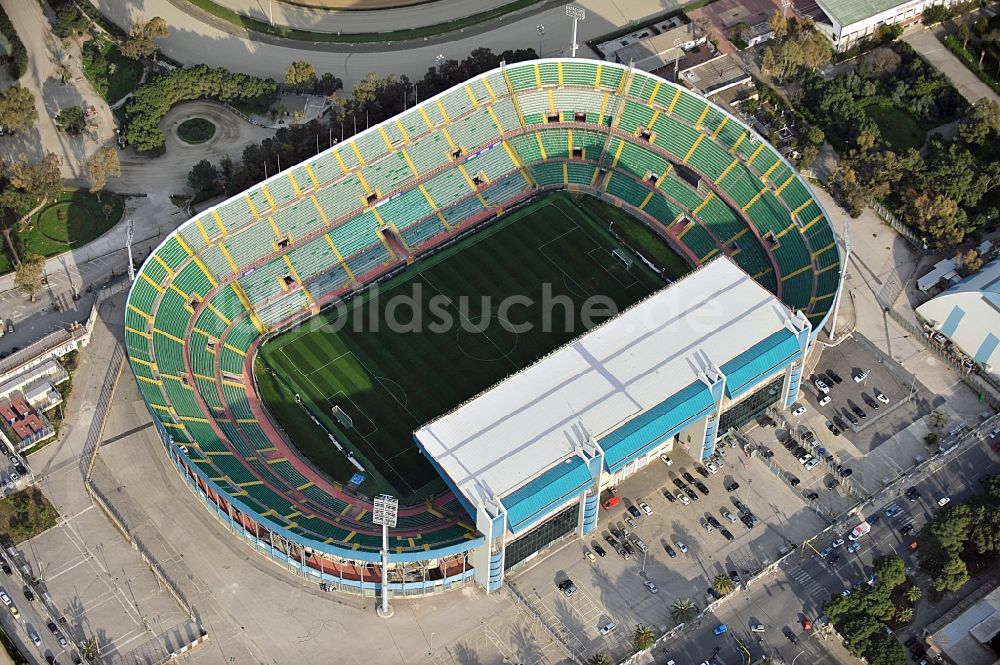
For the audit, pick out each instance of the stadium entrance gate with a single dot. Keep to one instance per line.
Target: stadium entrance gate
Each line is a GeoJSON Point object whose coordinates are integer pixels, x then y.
{"type": "Point", "coordinates": [554, 530]}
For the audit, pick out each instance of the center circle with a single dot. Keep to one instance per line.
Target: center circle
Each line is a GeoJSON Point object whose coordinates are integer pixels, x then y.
{"type": "Point", "coordinates": [195, 130]}
{"type": "Point", "coordinates": [487, 337]}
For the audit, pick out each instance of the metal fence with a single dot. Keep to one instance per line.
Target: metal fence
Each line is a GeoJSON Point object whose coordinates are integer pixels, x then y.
{"type": "Point", "coordinates": [100, 418]}
{"type": "Point", "coordinates": [537, 619]}
{"type": "Point", "coordinates": [900, 227]}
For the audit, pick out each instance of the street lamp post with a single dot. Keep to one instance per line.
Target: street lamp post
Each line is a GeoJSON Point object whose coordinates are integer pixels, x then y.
{"type": "Point", "coordinates": [129, 234]}
{"type": "Point", "coordinates": [541, 32]}
{"type": "Point", "coordinates": [577, 14]}
{"type": "Point", "coordinates": [384, 513]}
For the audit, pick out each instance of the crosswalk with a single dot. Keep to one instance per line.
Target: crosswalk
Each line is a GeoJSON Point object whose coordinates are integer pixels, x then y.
{"type": "Point", "coordinates": [808, 583]}
{"type": "Point", "coordinates": [902, 518]}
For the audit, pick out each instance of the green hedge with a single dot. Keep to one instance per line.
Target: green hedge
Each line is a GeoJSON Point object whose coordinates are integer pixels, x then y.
{"type": "Point", "coordinates": [18, 53]}
{"type": "Point", "coordinates": [970, 61]}
{"type": "Point", "coordinates": [151, 101]}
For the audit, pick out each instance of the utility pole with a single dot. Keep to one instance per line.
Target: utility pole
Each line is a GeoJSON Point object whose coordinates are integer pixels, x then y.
{"type": "Point", "coordinates": [129, 234]}
{"type": "Point", "coordinates": [384, 513]}
{"type": "Point", "coordinates": [577, 14]}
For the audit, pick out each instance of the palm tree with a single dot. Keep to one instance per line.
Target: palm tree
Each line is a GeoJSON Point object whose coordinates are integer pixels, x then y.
{"type": "Point", "coordinates": [642, 638]}
{"type": "Point", "coordinates": [905, 615]}
{"type": "Point", "coordinates": [722, 584]}
{"type": "Point", "coordinates": [683, 610]}
{"type": "Point", "coordinates": [913, 594]}
{"type": "Point", "coordinates": [600, 658]}
{"type": "Point", "coordinates": [90, 649]}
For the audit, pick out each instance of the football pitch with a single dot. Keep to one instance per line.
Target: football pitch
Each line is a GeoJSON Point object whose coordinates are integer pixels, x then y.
{"type": "Point", "coordinates": [448, 327]}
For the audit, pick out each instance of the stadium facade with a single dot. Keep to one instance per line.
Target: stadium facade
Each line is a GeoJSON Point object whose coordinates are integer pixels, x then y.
{"type": "Point", "coordinates": [732, 343]}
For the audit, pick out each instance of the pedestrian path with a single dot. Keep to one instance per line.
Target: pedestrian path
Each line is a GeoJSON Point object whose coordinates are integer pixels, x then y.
{"type": "Point", "coordinates": [808, 583]}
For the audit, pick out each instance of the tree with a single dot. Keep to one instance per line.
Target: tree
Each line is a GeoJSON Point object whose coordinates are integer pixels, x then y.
{"type": "Point", "coordinates": [42, 180]}
{"type": "Point", "coordinates": [139, 44]}
{"type": "Point", "coordinates": [300, 75]}
{"type": "Point", "coordinates": [913, 594]}
{"type": "Point", "coordinates": [683, 610]}
{"type": "Point", "coordinates": [642, 638]}
{"type": "Point", "coordinates": [102, 164]}
{"type": "Point", "coordinates": [722, 584]}
{"type": "Point", "coordinates": [951, 528]}
{"type": "Point", "coordinates": [881, 63]}
{"type": "Point", "coordinates": [28, 275]}
{"type": "Point", "coordinates": [964, 34]}
{"type": "Point", "coordinates": [953, 576]}
{"type": "Point", "coordinates": [937, 419]}
{"type": "Point", "coordinates": [904, 615]}
{"type": "Point", "coordinates": [69, 20]}
{"type": "Point", "coordinates": [890, 571]}
{"type": "Point", "coordinates": [779, 23]}
{"type": "Point", "coordinates": [71, 120]}
{"type": "Point", "coordinates": [970, 261]}
{"type": "Point", "coordinates": [600, 658]}
{"type": "Point", "coordinates": [89, 649]}
{"type": "Point", "coordinates": [17, 108]}
{"type": "Point", "coordinates": [204, 177]}
{"type": "Point", "coordinates": [981, 123]}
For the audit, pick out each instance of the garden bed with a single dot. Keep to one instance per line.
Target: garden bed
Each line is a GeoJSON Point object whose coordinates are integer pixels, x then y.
{"type": "Point", "coordinates": [112, 74]}
{"type": "Point", "coordinates": [76, 218]}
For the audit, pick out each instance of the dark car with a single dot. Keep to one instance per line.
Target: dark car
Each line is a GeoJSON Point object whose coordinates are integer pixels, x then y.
{"type": "Point", "coordinates": [732, 486]}
{"type": "Point", "coordinates": [910, 642]}
{"type": "Point", "coordinates": [726, 534]}
{"type": "Point", "coordinates": [839, 422]}
{"type": "Point", "coordinates": [567, 587]}
{"type": "Point", "coordinates": [624, 553]}
{"type": "Point", "coordinates": [610, 540]}
{"type": "Point", "coordinates": [670, 551]}
{"type": "Point", "coordinates": [812, 496]}
{"type": "Point", "coordinates": [679, 484]}
{"type": "Point", "coordinates": [701, 487]}
{"type": "Point", "coordinates": [832, 559]}
{"type": "Point", "coordinates": [691, 493]}
{"type": "Point", "coordinates": [21, 469]}
{"type": "Point", "coordinates": [858, 411]}
{"type": "Point", "coordinates": [830, 425]}
{"type": "Point", "coordinates": [688, 477]}
{"type": "Point", "coordinates": [846, 473]}
{"type": "Point", "coordinates": [600, 551]}
{"type": "Point", "coordinates": [7, 570]}
{"type": "Point", "coordinates": [873, 519]}
{"type": "Point", "coordinates": [807, 435]}
{"type": "Point", "coordinates": [28, 593]}
{"type": "Point", "coordinates": [735, 576]}
{"type": "Point", "coordinates": [793, 481]}
{"type": "Point", "coordinates": [714, 522]}
{"type": "Point", "coordinates": [906, 529]}
{"type": "Point", "coordinates": [740, 506]}
{"type": "Point", "coordinates": [766, 453]}
{"type": "Point", "coordinates": [634, 512]}
{"type": "Point", "coordinates": [870, 401]}
{"type": "Point", "coordinates": [851, 417]}
{"type": "Point", "coordinates": [912, 494]}
{"type": "Point", "coordinates": [616, 532]}
{"type": "Point", "coordinates": [669, 496]}
{"type": "Point", "coordinates": [702, 471]}
{"type": "Point", "coordinates": [749, 520]}
{"type": "Point", "coordinates": [834, 376]}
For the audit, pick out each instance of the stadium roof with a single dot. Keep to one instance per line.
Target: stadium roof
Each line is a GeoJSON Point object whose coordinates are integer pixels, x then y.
{"type": "Point", "coordinates": [638, 372]}
{"type": "Point", "coordinates": [849, 12]}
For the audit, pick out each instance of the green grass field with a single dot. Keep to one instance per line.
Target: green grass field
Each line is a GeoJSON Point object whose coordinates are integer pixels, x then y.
{"type": "Point", "coordinates": [390, 380]}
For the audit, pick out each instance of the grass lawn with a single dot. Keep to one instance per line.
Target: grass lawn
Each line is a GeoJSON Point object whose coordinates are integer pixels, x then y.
{"type": "Point", "coordinates": [5, 262]}
{"type": "Point", "coordinates": [248, 23]}
{"type": "Point", "coordinates": [100, 58]}
{"type": "Point", "coordinates": [898, 127]}
{"type": "Point", "coordinates": [454, 337]}
{"type": "Point", "coordinates": [195, 130]}
{"type": "Point", "coordinates": [25, 514]}
{"type": "Point", "coordinates": [74, 220]}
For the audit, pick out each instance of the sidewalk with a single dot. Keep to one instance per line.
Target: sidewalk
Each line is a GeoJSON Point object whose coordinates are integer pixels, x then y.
{"type": "Point", "coordinates": [928, 44]}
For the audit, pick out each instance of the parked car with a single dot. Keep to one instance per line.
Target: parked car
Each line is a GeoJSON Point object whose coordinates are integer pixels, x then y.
{"type": "Point", "coordinates": [726, 534]}
{"type": "Point", "coordinates": [644, 507]}
{"type": "Point", "coordinates": [860, 375]}
{"type": "Point", "coordinates": [740, 506]}
{"type": "Point", "coordinates": [881, 397]}
{"type": "Point", "coordinates": [838, 542]}
{"type": "Point", "coordinates": [702, 471]}
{"type": "Point", "coordinates": [651, 586]}
{"type": "Point", "coordinates": [798, 410]}
{"type": "Point", "coordinates": [811, 464]}
{"type": "Point", "coordinates": [634, 512]}
{"type": "Point", "coordinates": [567, 587]}
{"type": "Point", "coordinates": [607, 627]}
{"type": "Point", "coordinates": [666, 459]}
{"type": "Point", "coordinates": [943, 500]}
{"type": "Point", "coordinates": [892, 510]}
{"type": "Point", "coordinates": [707, 527]}
{"type": "Point", "coordinates": [670, 551]}
{"type": "Point", "coordinates": [853, 547]}
{"type": "Point", "coordinates": [669, 496]}
{"type": "Point", "coordinates": [732, 486]}
{"type": "Point", "coordinates": [611, 503]}
{"type": "Point", "coordinates": [729, 516]}
{"type": "Point", "coordinates": [691, 493]}
{"type": "Point", "coordinates": [600, 551]}
{"type": "Point", "coordinates": [807, 624]}
{"type": "Point", "coordinates": [757, 628]}
{"type": "Point", "coordinates": [821, 386]}
{"type": "Point", "coordinates": [631, 522]}
{"type": "Point", "coordinates": [721, 629]}
{"type": "Point", "coordinates": [688, 477]}
{"type": "Point", "coordinates": [681, 546]}
{"type": "Point", "coordinates": [701, 487]}
{"type": "Point", "coordinates": [833, 376]}
{"type": "Point", "coordinates": [913, 494]}
{"type": "Point", "coordinates": [683, 498]}
{"type": "Point", "coordinates": [859, 412]}
{"type": "Point", "coordinates": [826, 550]}
{"type": "Point", "coordinates": [714, 522]}
{"type": "Point", "coordinates": [712, 467]}
{"type": "Point", "coordinates": [824, 400]}
{"type": "Point", "coordinates": [906, 529]}
{"type": "Point", "coordinates": [590, 555]}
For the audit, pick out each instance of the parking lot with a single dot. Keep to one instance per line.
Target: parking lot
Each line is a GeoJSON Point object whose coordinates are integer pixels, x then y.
{"type": "Point", "coordinates": [612, 589]}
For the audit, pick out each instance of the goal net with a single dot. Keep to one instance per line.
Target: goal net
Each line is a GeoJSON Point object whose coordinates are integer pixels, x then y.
{"type": "Point", "coordinates": [342, 417]}
{"type": "Point", "coordinates": [623, 257]}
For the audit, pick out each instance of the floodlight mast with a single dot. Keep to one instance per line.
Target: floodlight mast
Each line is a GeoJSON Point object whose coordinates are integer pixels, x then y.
{"type": "Point", "coordinates": [577, 14]}
{"type": "Point", "coordinates": [385, 512]}
{"type": "Point", "coordinates": [129, 233]}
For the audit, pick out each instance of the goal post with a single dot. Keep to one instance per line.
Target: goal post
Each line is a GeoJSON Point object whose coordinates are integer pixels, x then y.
{"type": "Point", "coordinates": [623, 257]}
{"type": "Point", "coordinates": [342, 417]}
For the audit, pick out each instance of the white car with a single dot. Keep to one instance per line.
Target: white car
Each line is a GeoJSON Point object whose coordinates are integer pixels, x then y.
{"type": "Point", "coordinates": [860, 376]}
{"type": "Point", "coordinates": [666, 459]}
{"type": "Point", "coordinates": [707, 527]}
{"type": "Point", "coordinates": [943, 500]}
{"type": "Point", "coordinates": [881, 397]}
{"type": "Point", "coordinates": [5, 598]}
{"type": "Point", "coordinates": [681, 546]}
{"type": "Point", "coordinates": [651, 586]}
{"type": "Point", "coordinates": [608, 627]}
{"type": "Point", "coordinates": [805, 459]}
{"type": "Point", "coordinates": [811, 464]}
{"type": "Point", "coordinates": [683, 498]}
{"type": "Point", "coordinates": [729, 516]}
{"type": "Point", "coordinates": [837, 543]}
{"type": "Point", "coordinates": [824, 400]}
{"type": "Point", "coordinates": [35, 639]}
{"type": "Point", "coordinates": [644, 507]}
{"type": "Point", "coordinates": [821, 386]}
{"type": "Point", "coordinates": [798, 410]}
{"type": "Point", "coordinates": [712, 468]}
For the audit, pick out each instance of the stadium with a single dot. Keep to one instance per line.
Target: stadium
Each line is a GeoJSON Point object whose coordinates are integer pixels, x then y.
{"type": "Point", "coordinates": [285, 410]}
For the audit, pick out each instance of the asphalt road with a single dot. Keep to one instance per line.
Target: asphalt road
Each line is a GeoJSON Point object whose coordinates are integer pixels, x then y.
{"type": "Point", "coordinates": [811, 581]}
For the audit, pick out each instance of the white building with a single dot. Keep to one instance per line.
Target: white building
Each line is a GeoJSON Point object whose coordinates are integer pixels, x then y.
{"type": "Point", "coordinates": [853, 20]}
{"type": "Point", "coordinates": [969, 315]}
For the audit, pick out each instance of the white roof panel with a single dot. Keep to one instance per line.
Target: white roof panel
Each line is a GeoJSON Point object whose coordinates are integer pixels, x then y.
{"type": "Point", "coordinates": [510, 434]}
